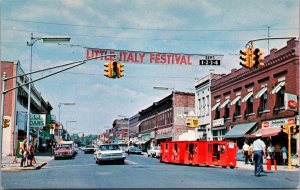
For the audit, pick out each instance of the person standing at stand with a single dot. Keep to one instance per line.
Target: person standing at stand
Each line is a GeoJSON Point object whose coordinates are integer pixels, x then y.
{"type": "Point", "coordinates": [259, 148]}
{"type": "Point", "coordinates": [245, 152]}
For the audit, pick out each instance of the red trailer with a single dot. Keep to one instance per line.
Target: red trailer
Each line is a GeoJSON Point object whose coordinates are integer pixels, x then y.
{"type": "Point", "coordinates": [208, 153]}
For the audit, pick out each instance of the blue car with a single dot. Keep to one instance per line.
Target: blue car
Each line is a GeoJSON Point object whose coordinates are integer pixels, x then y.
{"type": "Point", "coordinates": [134, 150]}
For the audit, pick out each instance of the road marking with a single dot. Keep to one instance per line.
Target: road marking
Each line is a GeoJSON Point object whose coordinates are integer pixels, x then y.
{"type": "Point", "coordinates": [68, 166]}
{"type": "Point", "coordinates": [131, 162]}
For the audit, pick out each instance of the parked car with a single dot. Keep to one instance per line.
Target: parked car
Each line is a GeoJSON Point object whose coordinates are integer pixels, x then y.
{"type": "Point", "coordinates": [89, 149]}
{"type": "Point", "coordinates": [63, 152]}
{"type": "Point", "coordinates": [124, 148]}
{"type": "Point", "coordinates": [109, 153]}
{"type": "Point", "coordinates": [134, 150]}
{"type": "Point", "coordinates": [154, 152]}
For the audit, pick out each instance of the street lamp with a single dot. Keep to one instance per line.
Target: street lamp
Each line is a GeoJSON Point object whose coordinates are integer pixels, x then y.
{"type": "Point", "coordinates": [46, 39]}
{"type": "Point", "coordinates": [59, 105]}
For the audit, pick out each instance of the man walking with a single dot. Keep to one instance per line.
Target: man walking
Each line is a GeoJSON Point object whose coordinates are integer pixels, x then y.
{"type": "Point", "coordinates": [245, 152]}
{"type": "Point", "coordinates": [259, 148]}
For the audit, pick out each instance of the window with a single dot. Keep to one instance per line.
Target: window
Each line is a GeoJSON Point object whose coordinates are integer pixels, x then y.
{"type": "Point", "coordinates": [280, 98]}
{"type": "Point", "coordinates": [263, 102]}
{"type": "Point", "coordinates": [238, 108]}
{"type": "Point", "coordinates": [249, 108]}
{"type": "Point", "coordinates": [217, 113]}
{"type": "Point", "coordinates": [227, 111]}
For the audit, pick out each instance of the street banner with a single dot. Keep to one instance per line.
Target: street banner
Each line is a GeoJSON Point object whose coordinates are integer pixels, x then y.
{"type": "Point", "coordinates": [37, 120]}
{"type": "Point", "coordinates": [140, 57]}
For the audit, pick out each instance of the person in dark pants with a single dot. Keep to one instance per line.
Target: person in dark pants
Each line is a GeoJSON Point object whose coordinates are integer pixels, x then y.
{"type": "Point", "coordinates": [259, 148]}
{"type": "Point", "coordinates": [245, 152]}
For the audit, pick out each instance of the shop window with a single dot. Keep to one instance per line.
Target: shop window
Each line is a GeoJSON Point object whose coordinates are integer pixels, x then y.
{"type": "Point", "coordinates": [280, 98]}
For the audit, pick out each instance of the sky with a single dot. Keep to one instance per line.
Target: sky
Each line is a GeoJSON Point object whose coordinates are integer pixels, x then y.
{"type": "Point", "coordinates": [168, 26]}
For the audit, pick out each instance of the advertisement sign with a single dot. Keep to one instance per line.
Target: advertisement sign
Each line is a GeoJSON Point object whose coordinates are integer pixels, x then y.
{"type": "Point", "coordinates": [140, 57]}
{"type": "Point", "coordinates": [277, 122]}
{"type": "Point", "coordinates": [37, 120]}
{"type": "Point", "coordinates": [192, 121]}
{"type": "Point", "coordinates": [290, 102]}
{"type": "Point", "coordinates": [218, 122]}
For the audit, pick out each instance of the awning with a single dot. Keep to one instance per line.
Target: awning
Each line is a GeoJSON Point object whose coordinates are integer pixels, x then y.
{"type": "Point", "coordinates": [235, 100]}
{"type": "Point", "coordinates": [261, 92]}
{"type": "Point", "coordinates": [215, 106]}
{"type": "Point", "coordinates": [269, 132]}
{"type": "Point", "coordinates": [225, 103]}
{"type": "Point", "coordinates": [278, 87]}
{"type": "Point", "coordinates": [247, 96]}
{"type": "Point", "coordinates": [239, 130]}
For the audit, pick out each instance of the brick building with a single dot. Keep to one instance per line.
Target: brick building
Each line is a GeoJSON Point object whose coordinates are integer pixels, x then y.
{"type": "Point", "coordinates": [247, 101]}
{"type": "Point", "coordinates": [15, 107]}
{"type": "Point", "coordinates": [165, 119]}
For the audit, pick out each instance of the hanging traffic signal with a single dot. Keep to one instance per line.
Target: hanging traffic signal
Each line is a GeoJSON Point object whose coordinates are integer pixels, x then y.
{"type": "Point", "coordinates": [108, 70]}
{"type": "Point", "coordinates": [246, 57]}
{"type": "Point", "coordinates": [114, 69]}
{"type": "Point", "coordinates": [257, 58]}
{"type": "Point", "coordinates": [120, 70]}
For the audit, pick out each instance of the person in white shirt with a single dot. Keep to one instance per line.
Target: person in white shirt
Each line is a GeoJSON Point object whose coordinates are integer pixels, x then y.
{"type": "Point", "coordinates": [259, 148]}
{"type": "Point", "coordinates": [245, 152]}
{"type": "Point", "coordinates": [271, 152]}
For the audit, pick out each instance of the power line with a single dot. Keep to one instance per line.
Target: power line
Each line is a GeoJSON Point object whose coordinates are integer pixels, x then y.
{"type": "Point", "coordinates": [134, 28]}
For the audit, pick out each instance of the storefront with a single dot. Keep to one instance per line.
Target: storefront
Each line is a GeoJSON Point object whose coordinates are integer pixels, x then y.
{"type": "Point", "coordinates": [218, 129]}
{"type": "Point", "coordinates": [163, 135]}
{"type": "Point", "coordinates": [144, 141]}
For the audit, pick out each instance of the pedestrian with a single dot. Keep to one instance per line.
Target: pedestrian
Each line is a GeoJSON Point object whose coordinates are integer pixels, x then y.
{"type": "Point", "coordinates": [245, 152]}
{"type": "Point", "coordinates": [278, 153]}
{"type": "Point", "coordinates": [284, 155]}
{"type": "Point", "coordinates": [29, 155]}
{"type": "Point", "coordinates": [259, 148]}
{"type": "Point", "coordinates": [271, 152]}
{"type": "Point", "coordinates": [22, 152]}
{"type": "Point", "coordinates": [250, 153]}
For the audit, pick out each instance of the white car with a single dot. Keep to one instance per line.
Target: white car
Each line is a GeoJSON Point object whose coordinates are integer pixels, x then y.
{"type": "Point", "coordinates": [109, 153]}
{"type": "Point", "coordinates": [154, 152]}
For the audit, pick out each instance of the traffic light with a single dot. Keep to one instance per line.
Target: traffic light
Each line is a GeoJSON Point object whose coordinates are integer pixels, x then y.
{"type": "Point", "coordinates": [114, 69]}
{"type": "Point", "coordinates": [5, 123]}
{"type": "Point", "coordinates": [108, 70]}
{"type": "Point", "coordinates": [246, 57]}
{"type": "Point", "coordinates": [120, 70]}
{"type": "Point", "coordinates": [294, 128]}
{"type": "Point", "coordinates": [285, 128]}
{"type": "Point", "coordinates": [257, 58]}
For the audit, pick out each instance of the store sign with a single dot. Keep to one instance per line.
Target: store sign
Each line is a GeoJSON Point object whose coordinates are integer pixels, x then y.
{"type": "Point", "coordinates": [140, 57]}
{"type": "Point", "coordinates": [277, 122]}
{"type": "Point", "coordinates": [164, 133]}
{"type": "Point", "coordinates": [37, 120]}
{"type": "Point", "coordinates": [218, 122]}
{"type": "Point", "coordinates": [290, 102]}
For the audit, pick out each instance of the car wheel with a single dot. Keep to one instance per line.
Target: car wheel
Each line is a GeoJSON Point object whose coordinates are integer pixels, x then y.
{"type": "Point", "coordinates": [148, 155]}
{"type": "Point", "coordinates": [97, 162]}
{"type": "Point", "coordinates": [122, 162]}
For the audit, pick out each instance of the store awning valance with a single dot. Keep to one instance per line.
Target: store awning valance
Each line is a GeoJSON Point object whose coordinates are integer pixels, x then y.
{"type": "Point", "coordinates": [215, 106]}
{"type": "Point", "coordinates": [278, 87]}
{"type": "Point", "coordinates": [235, 100]}
{"type": "Point", "coordinates": [269, 132]}
{"type": "Point", "coordinates": [247, 96]}
{"type": "Point", "coordinates": [261, 92]}
{"type": "Point", "coordinates": [240, 130]}
{"type": "Point", "coordinates": [225, 103]}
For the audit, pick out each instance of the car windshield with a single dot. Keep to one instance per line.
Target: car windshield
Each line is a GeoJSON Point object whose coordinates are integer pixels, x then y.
{"type": "Point", "coordinates": [62, 148]}
{"type": "Point", "coordinates": [156, 148]}
{"type": "Point", "coordinates": [109, 147]}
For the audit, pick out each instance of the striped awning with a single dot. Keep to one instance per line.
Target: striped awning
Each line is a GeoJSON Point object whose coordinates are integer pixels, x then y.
{"type": "Point", "coordinates": [225, 103]}
{"type": "Point", "coordinates": [278, 87]}
{"type": "Point", "coordinates": [261, 92]}
{"type": "Point", "coordinates": [215, 106]}
{"type": "Point", "coordinates": [235, 100]}
{"type": "Point", "coordinates": [247, 96]}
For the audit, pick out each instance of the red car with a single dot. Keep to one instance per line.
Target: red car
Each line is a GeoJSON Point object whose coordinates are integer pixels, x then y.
{"type": "Point", "coordinates": [63, 152]}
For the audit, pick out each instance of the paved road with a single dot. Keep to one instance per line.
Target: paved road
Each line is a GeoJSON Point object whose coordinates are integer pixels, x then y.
{"type": "Point", "coordinates": [141, 172]}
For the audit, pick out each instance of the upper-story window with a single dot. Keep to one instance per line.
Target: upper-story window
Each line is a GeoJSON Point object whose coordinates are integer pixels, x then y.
{"type": "Point", "coordinates": [227, 111]}
{"type": "Point", "coordinates": [263, 102]}
{"type": "Point", "coordinates": [279, 90]}
{"type": "Point", "coordinates": [237, 110]}
{"type": "Point", "coordinates": [249, 105]}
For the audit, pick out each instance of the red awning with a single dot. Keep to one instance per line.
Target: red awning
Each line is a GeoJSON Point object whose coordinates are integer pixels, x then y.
{"type": "Point", "coordinates": [266, 132]}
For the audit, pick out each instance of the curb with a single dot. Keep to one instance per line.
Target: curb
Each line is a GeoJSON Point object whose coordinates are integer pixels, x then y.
{"type": "Point", "coordinates": [24, 168]}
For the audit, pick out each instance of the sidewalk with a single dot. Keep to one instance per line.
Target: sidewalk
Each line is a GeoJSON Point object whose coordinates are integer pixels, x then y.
{"type": "Point", "coordinates": [242, 165]}
{"type": "Point", "coordinates": [8, 165]}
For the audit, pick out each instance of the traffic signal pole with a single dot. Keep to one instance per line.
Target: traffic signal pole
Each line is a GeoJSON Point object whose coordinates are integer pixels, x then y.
{"type": "Point", "coordinates": [289, 148]}
{"type": "Point", "coordinates": [4, 79]}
